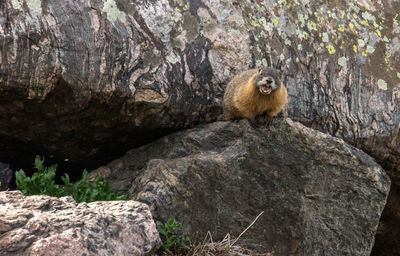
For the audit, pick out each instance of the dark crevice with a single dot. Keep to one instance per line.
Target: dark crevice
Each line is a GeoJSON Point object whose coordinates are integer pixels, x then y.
{"type": "Point", "coordinates": [21, 155]}
{"type": "Point", "coordinates": [387, 236]}
{"type": "Point", "coordinates": [73, 137]}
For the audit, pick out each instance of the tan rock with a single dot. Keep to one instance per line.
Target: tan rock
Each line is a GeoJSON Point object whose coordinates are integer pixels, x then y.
{"type": "Point", "coordinates": [43, 225]}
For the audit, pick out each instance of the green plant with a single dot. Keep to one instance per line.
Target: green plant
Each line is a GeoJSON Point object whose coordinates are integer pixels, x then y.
{"type": "Point", "coordinates": [42, 183]}
{"type": "Point", "coordinates": [172, 243]}
{"type": "Point", "coordinates": [82, 191]}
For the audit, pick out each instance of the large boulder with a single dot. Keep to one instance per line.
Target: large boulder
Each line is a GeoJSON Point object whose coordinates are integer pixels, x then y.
{"type": "Point", "coordinates": [107, 75]}
{"type": "Point", "coordinates": [319, 195]}
{"type": "Point", "coordinates": [43, 225]}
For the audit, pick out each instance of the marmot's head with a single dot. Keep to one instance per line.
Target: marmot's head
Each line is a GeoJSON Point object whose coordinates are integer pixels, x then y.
{"type": "Point", "coordinates": [267, 80]}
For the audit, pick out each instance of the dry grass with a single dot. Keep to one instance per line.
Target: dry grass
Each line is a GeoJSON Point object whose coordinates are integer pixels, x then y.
{"type": "Point", "coordinates": [226, 247]}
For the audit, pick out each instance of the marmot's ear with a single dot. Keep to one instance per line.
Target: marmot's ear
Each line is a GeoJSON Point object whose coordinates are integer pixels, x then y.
{"type": "Point", "coordinates": [260, 68]}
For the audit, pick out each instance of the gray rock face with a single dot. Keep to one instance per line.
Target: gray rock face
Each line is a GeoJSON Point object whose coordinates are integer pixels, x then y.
{"type": "Point", "coordinates": [105, 74]}
{"type": "Point", "coordinates": [319, 195]}
{"type": "Point", "coordinates": [42, 225]}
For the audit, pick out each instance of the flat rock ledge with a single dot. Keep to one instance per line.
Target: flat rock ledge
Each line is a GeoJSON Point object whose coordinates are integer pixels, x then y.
{"type": "Point", "coordinates": [43, 225]}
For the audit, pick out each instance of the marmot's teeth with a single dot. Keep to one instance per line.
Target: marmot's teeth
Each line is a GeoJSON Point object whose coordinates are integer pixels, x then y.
{"type": "Point", "coordinates": [265, 89]}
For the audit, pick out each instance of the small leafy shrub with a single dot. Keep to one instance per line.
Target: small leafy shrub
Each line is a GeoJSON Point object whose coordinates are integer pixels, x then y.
{"type": "Point", "coordinates": [172, 243]}
{"type": "Point", "coordinates": [42, 183]}
{"type": "Point", "coordinates": [82, 191]}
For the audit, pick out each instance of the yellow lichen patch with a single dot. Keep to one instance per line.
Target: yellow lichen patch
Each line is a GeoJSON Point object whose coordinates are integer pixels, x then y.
{"type": "Point", "coordinates": [355, 8]}
{"type": "Point", "coordinates": [313, 25]}
{"type": "Point", "coordinates": [253, 21]}
{"type": "Point", "coordinates": [364, 53]}
{"type": "Point", "coordinates": [254, 24]}
{"type": "Point", "coordinates": [364, 22]}
{"type": "Point", "coordinates": [341, 28]}
{"type": "Point", "coordinates": [334, 27]}
{"type": "Point", "coordinates": [144, 44]}
{"type": "Point", "coordinates": [387, 57]}
{"type": "Point", "coordinates": [331, 49]}
{"type": "Point", "coordinates": [316, 15]}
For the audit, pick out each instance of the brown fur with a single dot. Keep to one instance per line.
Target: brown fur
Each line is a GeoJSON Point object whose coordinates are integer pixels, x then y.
{"type": "Point", "coordinates": [243, 99]}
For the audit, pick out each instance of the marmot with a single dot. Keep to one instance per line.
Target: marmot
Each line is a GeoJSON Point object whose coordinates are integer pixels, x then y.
{"type": "Point", "coordinates": [254, 92]}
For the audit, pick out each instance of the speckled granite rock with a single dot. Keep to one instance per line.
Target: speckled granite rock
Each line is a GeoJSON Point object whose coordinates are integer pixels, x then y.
{"type": "Point", "coordinates": [42, 225]}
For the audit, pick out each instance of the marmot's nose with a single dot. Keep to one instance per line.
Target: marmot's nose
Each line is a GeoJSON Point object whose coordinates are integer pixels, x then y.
{"type": "Point", "coordinates": [269, 81]}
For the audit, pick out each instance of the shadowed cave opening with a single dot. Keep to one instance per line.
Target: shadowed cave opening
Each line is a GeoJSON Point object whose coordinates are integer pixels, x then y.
{"type": "Point", "coordinates": [71, 136]}
{"type": "Point", "coordinates": [21, 155]}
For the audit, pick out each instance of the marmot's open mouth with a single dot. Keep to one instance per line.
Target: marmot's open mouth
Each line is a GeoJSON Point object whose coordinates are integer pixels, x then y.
{"type": "Point", "coordinates": [265, 89]}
